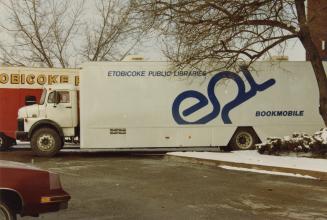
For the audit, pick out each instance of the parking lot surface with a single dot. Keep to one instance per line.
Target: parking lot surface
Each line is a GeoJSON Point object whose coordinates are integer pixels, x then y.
{"type": "Point", "coordinates": [135, 186]}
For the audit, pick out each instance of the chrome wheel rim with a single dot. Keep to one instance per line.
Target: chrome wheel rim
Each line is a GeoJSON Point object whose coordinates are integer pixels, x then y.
{"type": "Point", "coordinates": [244, 140]}
{"type": "Point", "coordinates": [46, 142]}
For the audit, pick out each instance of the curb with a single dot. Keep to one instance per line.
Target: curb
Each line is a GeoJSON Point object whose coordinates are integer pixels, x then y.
{"type": "Point", "coordinates": [317, 174]}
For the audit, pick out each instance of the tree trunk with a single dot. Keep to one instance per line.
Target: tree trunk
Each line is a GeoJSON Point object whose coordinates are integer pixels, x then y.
{"type": "Point", "coordinates": [320, 74]}
{"type": "Point", "coordinates": [314, 56]}
{"type": "Point", "coordinates": [318, 69]}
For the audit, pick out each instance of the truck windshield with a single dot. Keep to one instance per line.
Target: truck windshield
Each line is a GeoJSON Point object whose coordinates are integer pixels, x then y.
{"type": "Point", "coordinates": [44, 94]}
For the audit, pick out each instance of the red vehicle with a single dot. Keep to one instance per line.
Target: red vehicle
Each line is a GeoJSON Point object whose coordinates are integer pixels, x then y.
{"type": "Point", "coordinates": [29, 191]}
{"type": "Point", "coordinates": [21, 86]}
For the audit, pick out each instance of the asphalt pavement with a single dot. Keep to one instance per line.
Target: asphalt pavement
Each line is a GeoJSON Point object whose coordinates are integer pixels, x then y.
{"type": "Point", "coordinates": [106, 185]}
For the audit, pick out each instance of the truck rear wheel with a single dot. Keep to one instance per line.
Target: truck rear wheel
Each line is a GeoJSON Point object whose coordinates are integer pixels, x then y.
{"type": "Point", "coordinates": [5, 142]}
{"type": "Point", "coordinates": [46, 142]}
{"type": "Point", "coordinates": [244, 139]}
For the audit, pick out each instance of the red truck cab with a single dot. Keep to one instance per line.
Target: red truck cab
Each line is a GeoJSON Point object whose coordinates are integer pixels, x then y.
{"type": "Point", "coordinates": [10, 101]}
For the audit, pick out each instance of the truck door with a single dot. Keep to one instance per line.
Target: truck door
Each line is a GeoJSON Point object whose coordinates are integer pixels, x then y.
{"type": "Point", "coordinates": [60, 112]}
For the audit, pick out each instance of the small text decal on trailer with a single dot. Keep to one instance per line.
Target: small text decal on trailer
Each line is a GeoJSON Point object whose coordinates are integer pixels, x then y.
{"type": "Point", "coordinates": [203, 101]}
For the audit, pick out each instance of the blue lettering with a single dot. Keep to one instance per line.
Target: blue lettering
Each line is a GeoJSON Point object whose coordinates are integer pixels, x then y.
{"type": "Point", "coordinates": [203, 101]}
{"type": "Point", "coordinates": [279, 113]}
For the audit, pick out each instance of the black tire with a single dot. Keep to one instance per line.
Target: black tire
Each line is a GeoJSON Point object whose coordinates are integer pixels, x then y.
{"type": "Point", "coordinates": [5, 142]}
{"type": "Point", "coordinates": [227, 148]}
{"type": "Point", "coordinates": [6, 212]}
{"type": "Point", "coordinates": [244, 139]}
{"type": "Point", "coordinates": [46, 142]}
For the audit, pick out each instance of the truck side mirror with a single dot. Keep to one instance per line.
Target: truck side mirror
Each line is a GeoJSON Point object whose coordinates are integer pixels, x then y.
{"type": "Point", "coordinates": [56, 98]}
{"type": "Point", "coordinates": [30, 100]}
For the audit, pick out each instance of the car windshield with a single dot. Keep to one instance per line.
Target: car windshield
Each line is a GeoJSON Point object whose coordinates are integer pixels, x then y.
{"type": "Point", "coordinates": [44, 94]}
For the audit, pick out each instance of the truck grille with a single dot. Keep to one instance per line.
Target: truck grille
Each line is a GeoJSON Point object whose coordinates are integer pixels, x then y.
{"type": "Point", "coordinates": [20, 126]}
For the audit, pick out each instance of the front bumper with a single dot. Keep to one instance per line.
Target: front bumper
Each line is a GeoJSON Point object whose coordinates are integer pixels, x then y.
{"type": "Point", "coordinates": [22, 136]}
{"type": "Point", "coordinates": [55, 199]}
{"type": "Point", "coordinates": [47, 204]}
{"type": "Point", "coordinates": [55, 202]}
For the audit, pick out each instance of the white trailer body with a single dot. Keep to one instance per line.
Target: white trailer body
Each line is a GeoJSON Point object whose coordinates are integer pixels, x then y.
{"type": "Point", "coordinates": [148, 105]}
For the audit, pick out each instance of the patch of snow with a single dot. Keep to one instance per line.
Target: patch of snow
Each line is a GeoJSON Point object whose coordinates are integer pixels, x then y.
{"type": "Point", "coordinates": [253, 157]}
{"type": "Point", "coordinates": [266, 172]}
{"type": "Point", "coordinates": [323, 135]}
{"type": "Point", "coordinates": [298, 142]}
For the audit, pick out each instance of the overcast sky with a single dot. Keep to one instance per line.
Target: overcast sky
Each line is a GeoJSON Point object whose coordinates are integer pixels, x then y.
{"type": "Point", "coordinates": [152, 51]}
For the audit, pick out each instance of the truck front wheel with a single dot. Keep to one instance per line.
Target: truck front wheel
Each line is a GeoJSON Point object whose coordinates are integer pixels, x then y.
{"type": "Point", "coordinates": [46, 142]}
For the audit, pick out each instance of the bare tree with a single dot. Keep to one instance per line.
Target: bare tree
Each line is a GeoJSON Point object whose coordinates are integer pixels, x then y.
{"type": "Point", "coordinates": [113, 32]}
{"type": "Point", "coordinates": [233, 31]}
{"type": "Point", "coordinates": [62, 33]}
{"type": "Point", "coordinates": [40, 32]}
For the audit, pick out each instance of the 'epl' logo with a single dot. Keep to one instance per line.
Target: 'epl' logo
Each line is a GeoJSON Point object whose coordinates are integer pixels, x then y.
{"type": "Point", "coordinates": [241, 97]}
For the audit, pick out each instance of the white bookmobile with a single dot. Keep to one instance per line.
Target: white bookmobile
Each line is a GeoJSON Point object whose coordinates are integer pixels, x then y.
{"type": "Point", "coordinates": [149, 106]}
